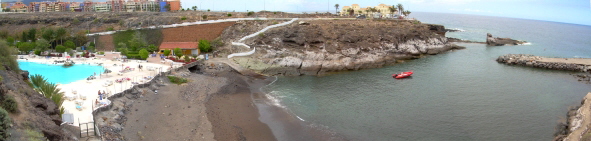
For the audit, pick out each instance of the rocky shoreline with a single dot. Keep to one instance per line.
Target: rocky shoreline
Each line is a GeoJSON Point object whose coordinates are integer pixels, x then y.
{"type": "Point", "coordinates": [325, 46]}
{"type": "Point", "coordinates": [574, 64]}
{"type": "Point", "coordinates": [578, 119]}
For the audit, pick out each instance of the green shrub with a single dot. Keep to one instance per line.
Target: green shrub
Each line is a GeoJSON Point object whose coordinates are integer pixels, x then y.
{"type": "Point", "coordinates": [177, 80]}
{"type": "Point", "coordinates": [110, 28]}
{"type": "Point", "coordinates": [70, 44]}
{"type": "Point", "coordinates": [275, 22]}
{"type": "Point", "coordinates": [250, 13]}
{"type": "Point", "coordinates": [133, 56]}
{"type": "Point", "coordinates": [90, 49]}
{"type": "Point", "coordinates": [178, 52]}
{"type": "Point", "coordinates": [183, 18]}
{"type": "Point", "coordinates": [204, 17]}
{"type": "Point", "coordinates": [33, 135]}
{"type": "Point", "coordinates": [60, 48]}
{"type": "Point", "coordinates": [144, 54]}
{"type": "Point", "coordinates": [204, 46]}
{"type": "Point", "coordinates": [274, 12]}
{"type": "Point", "coordinates": [4, 124]}
{"type": "Point", "coordinates": [101, 53]}
{"type": "Point", "coordinates": [37, 52]}
{"type": "Point", "coordinates": [76, 21]}
{"type": "Point", "coordinates": [187, 58]}
{"type": "Point", "coordinates": [9, 104]}
{"type": "Point", "coordinates": [229, 15]}
{"type": "Point", "coordinates": [166, 52]}
{"type": "Point", "coordinates": [25, 47]}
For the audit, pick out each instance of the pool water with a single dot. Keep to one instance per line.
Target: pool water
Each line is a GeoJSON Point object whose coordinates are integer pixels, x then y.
{"type": "Point", "coordinates": [61, 74]}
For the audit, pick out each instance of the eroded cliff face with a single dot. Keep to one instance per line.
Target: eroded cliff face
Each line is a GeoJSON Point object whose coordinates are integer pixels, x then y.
{"type": "Point", "coordinates": [577, 126]}
{"type": "Point", "coordinates": [339, 45]}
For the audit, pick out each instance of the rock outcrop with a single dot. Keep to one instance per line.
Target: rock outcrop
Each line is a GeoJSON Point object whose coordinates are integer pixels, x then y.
{"type": "Point", "coordinates": [578, 121]}
{"type": "Point", "coordinates": [542, 62]}
{"type": "Point", "coordinates": [35, 112]}
{"type": "Point", "coordinates": [330, 46]}
{"type": "Point", "coordinates": [496, 41]}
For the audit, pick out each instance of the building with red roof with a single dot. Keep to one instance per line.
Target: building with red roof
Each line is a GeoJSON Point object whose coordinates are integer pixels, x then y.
{"type": "Point", "coordinates": [188, 48]}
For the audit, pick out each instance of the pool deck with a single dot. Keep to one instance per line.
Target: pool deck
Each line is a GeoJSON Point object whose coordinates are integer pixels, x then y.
{"type": "Point", "coordinates": [89, 89]}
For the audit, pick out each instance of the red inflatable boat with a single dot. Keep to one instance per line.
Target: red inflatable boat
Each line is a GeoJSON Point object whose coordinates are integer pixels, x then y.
{"type": "Point", "coordinates": [402, 75]}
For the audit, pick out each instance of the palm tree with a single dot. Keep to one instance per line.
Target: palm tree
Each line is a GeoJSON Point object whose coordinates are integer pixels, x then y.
{"type": "Point", "coordinates": [336, 6]}
{"type": "Point", "coordinates": [49, 90]}
{"type": "Point", "coordinates": [400, 8]}
{"type": "Point", "coordinates": [38, 80]}
{"type": "Point", "coordinates": [392, 9]}
{"type": "Point", "coordinates": [406, 13]}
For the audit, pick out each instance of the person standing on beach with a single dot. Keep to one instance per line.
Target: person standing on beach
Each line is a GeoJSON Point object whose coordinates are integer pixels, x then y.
{"type": "Point", "coordinates": [100, 95]}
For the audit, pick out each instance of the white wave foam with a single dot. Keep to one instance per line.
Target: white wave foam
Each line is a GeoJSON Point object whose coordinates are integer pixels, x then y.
{"type": "Point", "coordinates": [300, 118]}
{"type": "Point", "coordinates": [273, 100]}
{"type": "Point", "coordinates": [457, 30]}
{"type": "Point", "coordinates": [526, 44]}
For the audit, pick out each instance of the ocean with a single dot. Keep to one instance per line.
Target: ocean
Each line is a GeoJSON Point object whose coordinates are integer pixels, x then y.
{"type": "Point", "coordinates": [458, 95]}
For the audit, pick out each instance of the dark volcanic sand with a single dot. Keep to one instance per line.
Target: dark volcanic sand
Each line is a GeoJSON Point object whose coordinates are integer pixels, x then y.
{"type": "Point", "coordinates": [215, 105]}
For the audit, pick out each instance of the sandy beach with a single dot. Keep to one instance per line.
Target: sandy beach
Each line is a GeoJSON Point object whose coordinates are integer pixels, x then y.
{"type": "Point", "coordinates": [216, 104]}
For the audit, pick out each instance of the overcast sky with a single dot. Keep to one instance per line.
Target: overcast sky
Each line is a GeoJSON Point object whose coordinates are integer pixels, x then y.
{"type": "Point", "coordinates": [567, 11]}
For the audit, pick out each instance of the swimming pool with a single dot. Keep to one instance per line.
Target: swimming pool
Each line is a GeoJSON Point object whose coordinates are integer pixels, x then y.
{"type": "Point", "coordinates": [60, 74]}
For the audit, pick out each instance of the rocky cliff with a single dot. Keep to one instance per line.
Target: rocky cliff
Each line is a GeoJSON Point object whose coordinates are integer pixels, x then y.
{"type": "Point", "coordinates": [578, 122]}
{"type": "Point", "coordinates": [35, 113]}
{"type": "Point", "coordinates": [323, 46]}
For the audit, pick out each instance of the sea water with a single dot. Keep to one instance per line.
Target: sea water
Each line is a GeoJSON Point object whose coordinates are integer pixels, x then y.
{"type": "Point", "coordinates": [458, 95]}
{"type": "Point", "coordinates": [59, 73]}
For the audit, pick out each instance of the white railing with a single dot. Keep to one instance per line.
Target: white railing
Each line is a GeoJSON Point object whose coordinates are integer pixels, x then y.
{"type": "Point", "coordinates": [253, 35]}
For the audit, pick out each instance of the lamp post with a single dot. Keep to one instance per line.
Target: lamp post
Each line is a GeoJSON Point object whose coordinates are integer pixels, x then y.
{"type": "Point", "coordinates": [264, 6]}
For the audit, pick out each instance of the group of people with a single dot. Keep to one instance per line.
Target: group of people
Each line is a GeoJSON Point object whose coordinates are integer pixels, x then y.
{"type": "Point", "coordinates": [102, 94]}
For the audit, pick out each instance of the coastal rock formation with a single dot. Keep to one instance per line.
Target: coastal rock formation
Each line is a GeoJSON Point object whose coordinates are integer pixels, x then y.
{"type": "Point", "coordinates": [35, 113]}
{"type": "Point", "coordinates": [572, 64]}
{"type": "Point", "coordinates": [496, 41]}
{"type": "Point", "coordinates": [331, 46]}
{"type": "Point", "coordinates": [578, 121]}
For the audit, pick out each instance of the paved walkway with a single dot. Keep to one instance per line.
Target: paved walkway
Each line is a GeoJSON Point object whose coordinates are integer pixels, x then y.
{"type": "Point", "coordinates": [581, 61]}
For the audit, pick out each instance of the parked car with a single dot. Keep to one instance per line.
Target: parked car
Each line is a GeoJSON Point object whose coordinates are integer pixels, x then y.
{"type": "Point", "coordinates": [361, 17]}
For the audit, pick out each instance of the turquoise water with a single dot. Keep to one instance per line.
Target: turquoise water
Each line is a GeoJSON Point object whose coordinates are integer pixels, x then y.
{"type": "Point", "coordinates": [459, 95]}
{"type": "Point", "coordinates": [61, 74]}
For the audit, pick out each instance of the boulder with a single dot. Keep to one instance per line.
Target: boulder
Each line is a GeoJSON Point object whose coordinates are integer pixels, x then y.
{"type": "Point", "coordinates": [496, 41]}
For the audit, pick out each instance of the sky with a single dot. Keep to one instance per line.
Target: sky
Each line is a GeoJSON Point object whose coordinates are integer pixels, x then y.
{"type": "Point", "coordinates": [566, 11]}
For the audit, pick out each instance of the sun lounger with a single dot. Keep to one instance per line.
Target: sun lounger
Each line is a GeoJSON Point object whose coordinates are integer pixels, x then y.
{"type": "Point", "coordinates": [79, 105]}
{"type": "Point", "coordinates": [82, 96]}
{"type": "Point", "coordinates": [70, 97]}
